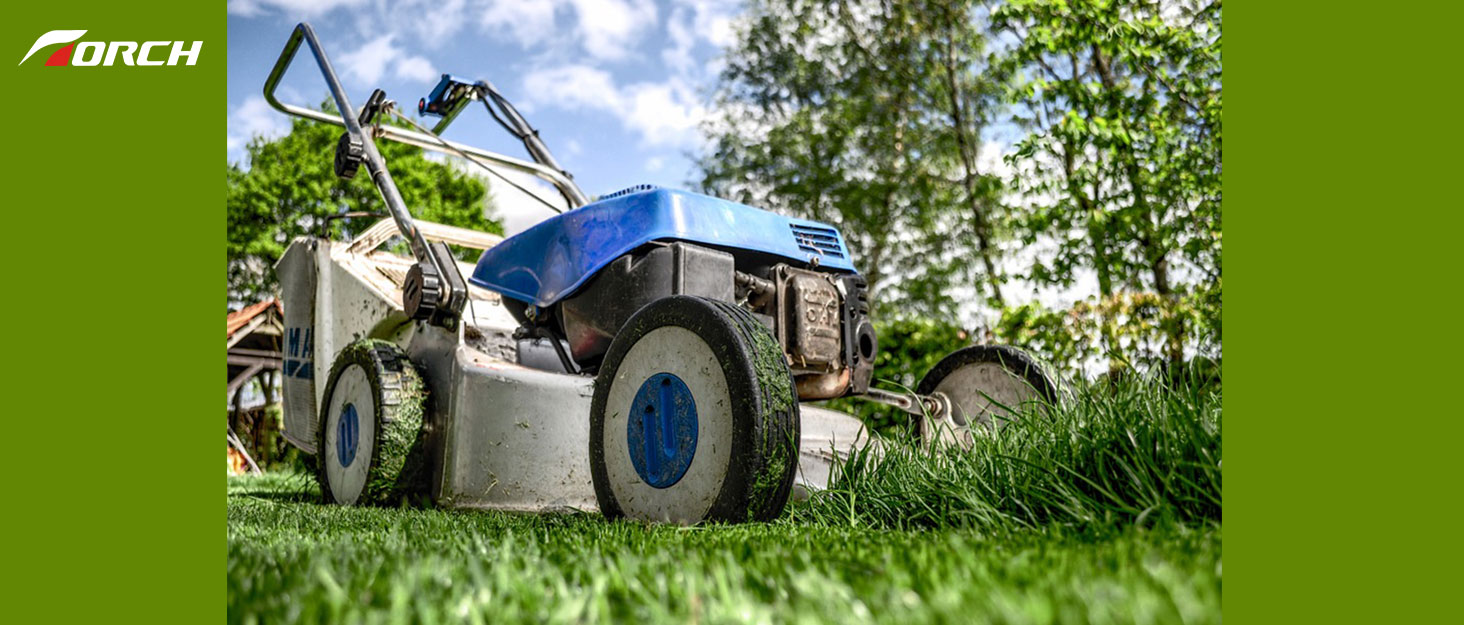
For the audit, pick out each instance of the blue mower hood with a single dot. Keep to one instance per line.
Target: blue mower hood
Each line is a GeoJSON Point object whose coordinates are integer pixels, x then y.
{"type": "Point", "coordinates": [549, 261]}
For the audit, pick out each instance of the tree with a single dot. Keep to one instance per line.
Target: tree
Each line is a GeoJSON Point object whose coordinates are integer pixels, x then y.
{"type": "Point", "coordinates": [1121, 103]}
{"type": "Point", "coordinates": [866, 114]}
{"type": "Point", "coordinates": [964, 96]}
{"type": "Point", "coordinates": [870, 114]}
{"type": "Point", "coordinates": [290, 189]}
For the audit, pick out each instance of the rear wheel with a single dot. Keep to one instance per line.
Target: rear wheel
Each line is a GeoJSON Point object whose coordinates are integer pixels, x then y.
{"type": "Point", "coordinates": [694, 417]}
{"type": "Point", "coordinates": [986, 384]}
{"type": "Point", "coordinates": [369, 443]}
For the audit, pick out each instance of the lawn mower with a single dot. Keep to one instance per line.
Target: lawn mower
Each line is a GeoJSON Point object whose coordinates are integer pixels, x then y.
{"type": "Point", "coordinates": [646, 354]}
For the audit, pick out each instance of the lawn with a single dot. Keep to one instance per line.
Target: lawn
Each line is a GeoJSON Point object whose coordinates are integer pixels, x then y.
{"type": "Point", "coordinates": [1108, 512]}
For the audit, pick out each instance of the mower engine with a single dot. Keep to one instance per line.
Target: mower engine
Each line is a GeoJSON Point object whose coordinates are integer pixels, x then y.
{"type": "Point", "coordinates": [822, 321]}
{"type": "Point", "coordinates": [820, 318]}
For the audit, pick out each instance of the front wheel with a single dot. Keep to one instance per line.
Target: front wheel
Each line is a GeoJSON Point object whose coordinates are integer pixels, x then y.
{"type": "Point", "coordinates": [694, 417]}
{"type": "Point", "coordinates": [370, 437]}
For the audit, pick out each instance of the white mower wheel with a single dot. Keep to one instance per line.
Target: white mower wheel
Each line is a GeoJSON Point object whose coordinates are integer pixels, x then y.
{"type": "Point", "coordinates": [985, 385]}
{"type": "Point", "coordinates": [369, 443]}
{"type": "Point", "coordinates": [694, 417]}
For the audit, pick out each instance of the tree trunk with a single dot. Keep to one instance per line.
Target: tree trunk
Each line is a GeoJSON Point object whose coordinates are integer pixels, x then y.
{"type": "Point", "coordinates": [1154, 253]}
{"type": "Point", "coordinates": [878, 241]}
{"type": "Point", "coordinates": [1098, 238]}
{"type": "Point", "coordinates": [267, 385]}
{"type": "Point", "coordinates": [979, 218]}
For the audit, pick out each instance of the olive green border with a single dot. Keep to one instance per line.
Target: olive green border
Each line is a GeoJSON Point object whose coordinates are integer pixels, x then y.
{"type": "Point", "coordinates": [1343, 135]}
{"type": "Point", "coordinates": [112, 222]}
{"type": "Point", "coordinates": [1340, 310]}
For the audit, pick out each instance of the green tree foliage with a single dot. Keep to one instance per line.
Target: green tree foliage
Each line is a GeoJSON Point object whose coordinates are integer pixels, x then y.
{"type": "Point", "coordinates": [290, 189]}
{"type": "Point", "coordinates": [869, 114]}
{"type": "Point", "coordinates": [1069, 338]}
{"type": "Point", "coordinates": [1120, 100]}
{"type": "Point", "coordinates": [865, 114]}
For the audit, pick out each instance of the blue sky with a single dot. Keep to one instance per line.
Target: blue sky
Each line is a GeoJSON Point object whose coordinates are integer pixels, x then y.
{"type": "Point", "coordinates": [615, 87]}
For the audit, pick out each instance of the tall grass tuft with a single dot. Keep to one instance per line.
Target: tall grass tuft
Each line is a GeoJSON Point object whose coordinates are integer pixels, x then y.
{"type": "Point", "coordinates": [1122, 453]}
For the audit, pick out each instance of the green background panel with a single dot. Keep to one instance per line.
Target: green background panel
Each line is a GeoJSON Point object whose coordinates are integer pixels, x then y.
{"type": "Point", "coordinates": [113, 506]}
{"type": "Point", "coordinates": [1341, 302]}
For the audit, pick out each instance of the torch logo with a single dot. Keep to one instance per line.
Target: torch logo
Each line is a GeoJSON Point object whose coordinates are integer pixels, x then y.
{"type": "Point", "coordinates": [62, 56]}
{"type": "Point", "coordinates": [107, 53]}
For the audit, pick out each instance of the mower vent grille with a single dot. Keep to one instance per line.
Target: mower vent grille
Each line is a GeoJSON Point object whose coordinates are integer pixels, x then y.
{"type": "Point", "coordinates": [821, 241]}
{"type": "Point", "coordinates": [635, 189]}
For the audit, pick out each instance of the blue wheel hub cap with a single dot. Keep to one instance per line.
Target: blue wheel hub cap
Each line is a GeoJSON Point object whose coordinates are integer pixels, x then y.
{"type": "Point", "coordinates": [661, 430]}
{"type": "Point", "coordinates": [346, 431]}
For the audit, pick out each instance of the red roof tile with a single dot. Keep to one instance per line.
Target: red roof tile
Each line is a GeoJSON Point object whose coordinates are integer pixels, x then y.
{"type": "Point", "coordinates": [243, 316]}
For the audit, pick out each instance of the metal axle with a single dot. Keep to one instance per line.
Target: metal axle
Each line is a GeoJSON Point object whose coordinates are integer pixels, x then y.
{"type": "Point", "coordinates": [935, 405]}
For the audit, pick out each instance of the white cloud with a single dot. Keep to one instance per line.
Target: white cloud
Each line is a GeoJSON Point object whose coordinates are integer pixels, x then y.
{"type": "Point", "coordinates": [573, 43]}
{"type": "Point", "coordinates": [573, 148]}
{"type": "Point", "coordinates": [369, 63]}
{"type": "Point", "coordinates": [610, 29]}
{"type": "Point", "coordinates": [655, 164]}
{"type": "Point", "coordinates": [571, 87]}
{"type": "Point", "coordinates": [416, 68]}
{"type": "Point", "coordinates": [713, 20]}
{"type": "Point", "coordinates": [434, 22]}
{"type": "Point", "coordinates": [290, 8]}
{"type": "Point", "coordinates": [677, 56]}
{"type": "Point", "coordinates": [516, 209]}
{"type": "Point", "coordinates": [662, 114]}
{"type": "Point", "coordinates": [529, 23]}
{"type": "Point", "coordinates": [606, 30]}
{"type": "Point", "coordinates": [254, 117]}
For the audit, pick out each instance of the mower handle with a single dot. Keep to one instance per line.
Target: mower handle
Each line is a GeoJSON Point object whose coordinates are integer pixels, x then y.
{"type": "Point", "coordinates": [303, 31]}
{"type": "Point", "coordinates": [434, 290]}
{"type": "Point", "coordinates": [369, 154]}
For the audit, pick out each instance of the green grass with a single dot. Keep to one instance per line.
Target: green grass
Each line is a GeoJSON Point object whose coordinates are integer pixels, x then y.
{"type": "Point", "coordinates": [1132, 453]}
{"type": "Point", "coordinates": [1108, 512]}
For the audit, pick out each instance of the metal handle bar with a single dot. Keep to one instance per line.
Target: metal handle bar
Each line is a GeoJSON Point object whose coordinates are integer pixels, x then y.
{"type": "Point", "coordinates": [347, 119]}
{"type": "Point", "coordinates": [521, 129]}
{"type": "Point", "coordinates": [374, 163]}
